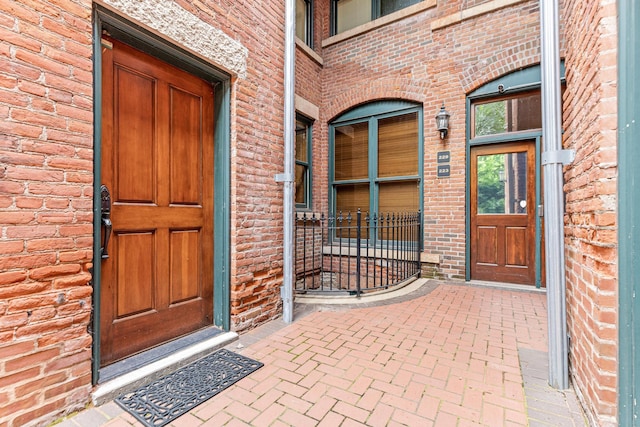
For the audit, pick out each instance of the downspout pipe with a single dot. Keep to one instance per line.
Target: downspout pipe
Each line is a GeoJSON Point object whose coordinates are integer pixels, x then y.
{"type": "Point", "coordinates": [287, 178]}
{"type": "Point", "coordinates": [553, 158]}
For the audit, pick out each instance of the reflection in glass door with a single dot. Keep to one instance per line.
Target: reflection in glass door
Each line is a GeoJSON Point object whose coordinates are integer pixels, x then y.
{"type": "Point", "coordinates": [502, 183]}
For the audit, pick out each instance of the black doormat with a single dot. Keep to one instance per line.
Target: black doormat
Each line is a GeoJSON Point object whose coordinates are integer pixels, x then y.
{"type": "Point", "coordinates": [164, 400]}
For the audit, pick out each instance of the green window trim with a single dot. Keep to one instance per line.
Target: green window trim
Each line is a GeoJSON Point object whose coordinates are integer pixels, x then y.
{"type": "Point", "coordinates": [304, 164]}
{"type": "Point", "coordinates": [628, 206]}
{"type": "Point", "coordinates": [370, 115]}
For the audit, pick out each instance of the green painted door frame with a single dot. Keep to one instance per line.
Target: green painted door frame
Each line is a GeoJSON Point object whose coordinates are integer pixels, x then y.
{"type": "Point", "coordinates": [128, 32]}
{"type": "Point", "coordinates": [503, 139]}
{"type": "Point", "coordinates": [519, 81]}
{"type": "Point", "coordinates": [628, 209]}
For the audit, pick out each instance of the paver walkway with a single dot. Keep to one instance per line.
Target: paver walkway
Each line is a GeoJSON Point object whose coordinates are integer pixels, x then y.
{"type": "Point", "coordinates": [446, 358]}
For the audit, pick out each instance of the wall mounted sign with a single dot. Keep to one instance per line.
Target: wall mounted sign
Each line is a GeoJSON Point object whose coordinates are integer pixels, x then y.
{"type": "Point", "coordinates": [444, 156]}
{"type": "Point", "coordinates": [444, 171]}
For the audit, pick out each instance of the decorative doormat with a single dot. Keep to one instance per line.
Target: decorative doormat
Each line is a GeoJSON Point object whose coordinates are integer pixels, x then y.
{"type": "Point", "coordinates": [164, 400]}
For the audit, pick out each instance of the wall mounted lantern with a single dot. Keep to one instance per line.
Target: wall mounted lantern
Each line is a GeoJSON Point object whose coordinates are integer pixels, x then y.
{"type": "Point", "coordinates": [442, 121]}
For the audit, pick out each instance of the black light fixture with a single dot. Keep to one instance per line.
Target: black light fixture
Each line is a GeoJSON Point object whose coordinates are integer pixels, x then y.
{"type": "Point", "coordinates": [442, 121]}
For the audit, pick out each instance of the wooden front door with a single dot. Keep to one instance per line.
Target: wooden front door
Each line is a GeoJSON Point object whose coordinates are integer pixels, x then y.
{"type": "Point", "coordinates": [157, 164]}
{"type": "Point", "coordinates": [502, 198]}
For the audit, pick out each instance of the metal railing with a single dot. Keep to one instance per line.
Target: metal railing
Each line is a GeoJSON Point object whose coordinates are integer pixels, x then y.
{"type": "Point", "coordinates": [352, 254]}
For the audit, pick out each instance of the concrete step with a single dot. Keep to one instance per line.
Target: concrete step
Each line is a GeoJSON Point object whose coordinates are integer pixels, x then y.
{"type": "Point", "coordinates": [134, 372]}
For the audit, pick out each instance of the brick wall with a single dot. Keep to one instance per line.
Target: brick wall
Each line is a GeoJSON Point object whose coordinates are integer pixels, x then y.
{"type": "Point", "coordinates": [408, 60]}
{"type": "Point", "coordinates": [256, 156]}
{"type": "Point", "coordinates": [308, 76]}
{"type": "Point", "coordinates": [590, 125]}
{"type": "Point", "coordinates": [47, 178]}
{"type": "Point", "coordinates": [46, 187]}
{"type": "Point", "coordinates": [308, 86]}
{"type": "Point", "coordinates": [257, 151]}
{"type": "Point", "coordinates": [444, 62]}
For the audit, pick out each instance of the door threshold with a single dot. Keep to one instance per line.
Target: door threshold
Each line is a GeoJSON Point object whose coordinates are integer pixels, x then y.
{"type": "Point", "coordinates": [504, 285]}
{"type": "Point", "coordinates": [134, 372]}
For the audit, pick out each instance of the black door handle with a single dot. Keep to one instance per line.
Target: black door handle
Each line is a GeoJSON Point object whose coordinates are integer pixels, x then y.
{"type": "Point", "coordinates": [105, 219]}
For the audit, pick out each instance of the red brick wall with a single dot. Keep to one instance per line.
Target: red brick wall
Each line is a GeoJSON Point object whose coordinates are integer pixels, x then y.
{"type": "Point", "coordinates": [256, 156]}
{"type": "Point", "coordinates": [590, 125]}
{"type": "Point", "coordinates": [47, 178]}
{"type": "Point", "coordinates": [46, 187]}
{"type": "Point", "coordinates": [407, 60]}
{"type": "Point", "coordinates": [308, 76]}
{"type": "Point", "coordinates": [445, 65]}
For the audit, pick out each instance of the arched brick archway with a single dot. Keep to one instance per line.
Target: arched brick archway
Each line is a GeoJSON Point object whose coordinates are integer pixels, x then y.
{"type": "Point", "coordinates": [391, 88]}
{"type": "Point", "coordinates": [500, 64]}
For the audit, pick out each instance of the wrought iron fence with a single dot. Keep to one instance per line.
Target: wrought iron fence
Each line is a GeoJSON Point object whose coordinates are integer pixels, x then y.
{"type": "Point", "coordinates": [352, 254]}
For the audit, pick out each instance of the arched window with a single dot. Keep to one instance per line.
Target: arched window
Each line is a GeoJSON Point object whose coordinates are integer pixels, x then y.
{"type": "Point", "coordinates": [376, 160]}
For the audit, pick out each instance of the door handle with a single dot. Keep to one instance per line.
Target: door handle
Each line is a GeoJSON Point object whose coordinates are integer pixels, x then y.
{"type": "Point", "coordinates": [105, 219]}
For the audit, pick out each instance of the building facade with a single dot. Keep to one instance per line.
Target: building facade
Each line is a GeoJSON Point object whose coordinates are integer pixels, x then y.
{"type": "Point", "coordinates": [75, 75]}
{"type": "Point", "coordinates": [110, 227]}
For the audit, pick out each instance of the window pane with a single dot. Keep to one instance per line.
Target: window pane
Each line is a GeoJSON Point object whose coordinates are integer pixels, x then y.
{"type": "Point", "coordinates": [301, 20]}
{"type": "Point", "coordinates": [351, 197]}
{"type": "Point", "coordinates": [526, 112]}
{"type": "Point", "coordinates": [301, 142]}
{"type": "Point", "coordinates": [491, 118]}
{"type": "Point", "coordinates": [351, 151]}
{"type": "Point", "coordinates": [508, 115]}
{"type": "Point", "coordinates": [303, 163]}
{"type": "Point", "coordinates": [398, 197]}
{"type": "Point", "coordinates": [389, 6]}
{"type": "Point", "coordinates": [398, 146]}
{"type": "Point", "coordinates": [352, 13]}
{"type": "Point", "coordinates": [301, 184]}
{"type": "Point", "coordinates": [502, 183]}
{"type": "Point", "coordinates": [395, 198]}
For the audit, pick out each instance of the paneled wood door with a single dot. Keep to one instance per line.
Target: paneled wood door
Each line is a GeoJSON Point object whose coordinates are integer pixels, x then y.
{"type": "Point", "coordinates": [157, 163]}
{"type": "Point", "coordinates": [502, 198]}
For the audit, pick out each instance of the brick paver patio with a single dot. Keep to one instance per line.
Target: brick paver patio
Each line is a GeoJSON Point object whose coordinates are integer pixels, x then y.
{"type": "Point", "coordinates": [447, 358]}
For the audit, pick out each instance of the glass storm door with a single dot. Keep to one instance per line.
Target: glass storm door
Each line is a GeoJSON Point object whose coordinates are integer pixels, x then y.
{"type": "Point", "coordinates": [503, 212]}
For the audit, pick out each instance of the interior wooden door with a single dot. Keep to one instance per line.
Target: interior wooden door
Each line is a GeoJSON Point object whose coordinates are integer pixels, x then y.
{"type": "Point", "coordinates": [157, 164]}
{"type": "Point", "coordinates": [502, 198]}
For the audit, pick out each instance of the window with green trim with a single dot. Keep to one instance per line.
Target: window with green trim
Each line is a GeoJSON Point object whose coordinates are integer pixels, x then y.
{"type": "Point", "coordinates": [376, 158]}
{"type": "Point", "coordinates": [304, 21]}
{"type": "Point", "coordinates": [347, 14]}
{"type": "Point", "coordinates": [514, 113]}
{"type": "Point", "coordinates": [303, 163]}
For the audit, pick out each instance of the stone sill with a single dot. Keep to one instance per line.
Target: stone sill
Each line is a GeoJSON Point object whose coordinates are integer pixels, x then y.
{"type": "Point", "coordinates": [429, 258]}
{"type": "Point", "coordinates": [380, 22]}
{"type": "Point", "coordinates": [383, 254]}
{"type": "Point", "coordinates": [309, 52]}
{"type": "Point", "coordinates": [312, 111]}
{"type": "Point", "coordinates": [472, 12]}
